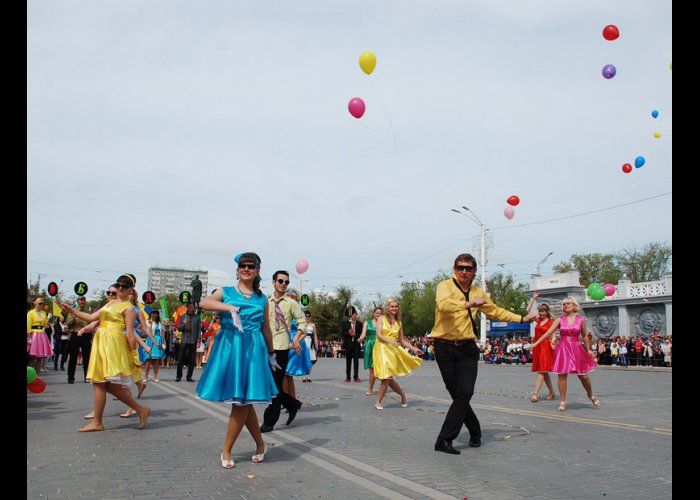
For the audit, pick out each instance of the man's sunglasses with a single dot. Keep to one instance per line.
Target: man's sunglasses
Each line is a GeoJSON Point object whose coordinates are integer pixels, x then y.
{"type": "Point", "coordinates": [282, 282]}
{"type": "Point", "coordinates": [469, 269]}
{"type": "Point", "coordinates": [110, 294]}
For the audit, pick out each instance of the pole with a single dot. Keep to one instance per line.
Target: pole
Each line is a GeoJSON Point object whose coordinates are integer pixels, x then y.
{"type": "Point", "coordinates": [483, 282]}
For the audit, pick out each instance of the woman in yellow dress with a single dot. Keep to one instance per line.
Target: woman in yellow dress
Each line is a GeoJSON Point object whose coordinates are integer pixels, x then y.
{"type": "Point", "coordinates": [38, 344]}
{"type": "Point", "coordinates": [388, 358]}
{"type": "Point", "coordinates": [111, 368]}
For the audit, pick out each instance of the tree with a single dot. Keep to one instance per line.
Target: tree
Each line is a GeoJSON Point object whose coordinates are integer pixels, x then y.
{"type": "Point", "coordinates": [418, 305]}
{"type": "Point", "coordinates": [592, 268]}
{"type": "Point", "coordinates": [506, 293]}
{"type": "Point", "coordinates": [646, 264]}
{"type": "Point", "coordinates": [328, 311]}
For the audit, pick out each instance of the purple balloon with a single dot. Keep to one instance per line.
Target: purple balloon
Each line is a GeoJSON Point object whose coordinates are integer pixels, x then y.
{"type": "Point", "coordinates": [609, 71]}
{"type": "Point", "coordinates": [609, 289]}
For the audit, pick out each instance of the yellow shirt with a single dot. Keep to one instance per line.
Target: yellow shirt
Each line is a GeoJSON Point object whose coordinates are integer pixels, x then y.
{"type": "Point", "coordinates": [291, 309]}
{"type": "Point", "coordinates": [36, 322]}
{"type": "Point", "coordinates": [451, 317]}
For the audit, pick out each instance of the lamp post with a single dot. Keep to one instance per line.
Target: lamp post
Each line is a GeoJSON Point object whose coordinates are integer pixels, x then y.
{"type": "Point", "coordinates": [473, 217]}
{"type": "Point", "coordinates": [537, 268]}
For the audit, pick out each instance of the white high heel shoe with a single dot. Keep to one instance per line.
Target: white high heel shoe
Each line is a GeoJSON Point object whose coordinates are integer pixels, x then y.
{"type": "Point", "coordinates": [259, 457]}
{"type": "Point", "coordinates": [227, 464]}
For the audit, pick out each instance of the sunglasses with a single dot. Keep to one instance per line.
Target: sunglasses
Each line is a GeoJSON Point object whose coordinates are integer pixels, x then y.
{"type": "Point", "coordinates": [246, 266]}
{"type": "Point", "coordinates": [122, 286]}
{"type": "Point", "coordinates": [110, 293]}
{"type": "Point", "coordinates": [282, 282]}
{"type": "Point", "coordinates": [469, 269]}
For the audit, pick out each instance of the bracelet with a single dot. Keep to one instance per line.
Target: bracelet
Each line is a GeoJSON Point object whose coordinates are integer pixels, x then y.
{"type": "Point", "coordinates": [270, 352]}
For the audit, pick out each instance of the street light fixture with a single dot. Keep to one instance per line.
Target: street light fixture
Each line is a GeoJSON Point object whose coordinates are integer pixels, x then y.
{"type": "Point", "coordinates": [474, 218]}
{"type": "Point", "coordinates": [537, 268]}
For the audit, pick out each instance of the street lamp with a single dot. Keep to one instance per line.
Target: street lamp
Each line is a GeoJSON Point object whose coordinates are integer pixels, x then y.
{"type": "Point", "coordinates": [474, 218]}
{"type": "Point", "coordinates": [537, 268]}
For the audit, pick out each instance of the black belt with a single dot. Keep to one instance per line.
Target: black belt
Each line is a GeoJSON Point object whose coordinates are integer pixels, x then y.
{"type": "Point", "coordinates": [453, 342]}
{"type": "Point", "coordinates": [37, 326]}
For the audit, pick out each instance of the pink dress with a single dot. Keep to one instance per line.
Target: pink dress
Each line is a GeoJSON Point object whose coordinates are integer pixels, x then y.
{"type": "Point", "coordinates": [569, 355]}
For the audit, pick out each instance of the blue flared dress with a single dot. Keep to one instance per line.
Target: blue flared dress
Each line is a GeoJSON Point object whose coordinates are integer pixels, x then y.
{"type": "Point", "coordinates": [298, 364]}
{"type": "Point", "coordinates": [156, 352]}
{"type": "Point", "coordinates": [238, 371]}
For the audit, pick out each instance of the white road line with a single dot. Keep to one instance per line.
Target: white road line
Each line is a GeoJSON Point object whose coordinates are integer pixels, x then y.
{"type": "Point", "coordinates": [221, 413]}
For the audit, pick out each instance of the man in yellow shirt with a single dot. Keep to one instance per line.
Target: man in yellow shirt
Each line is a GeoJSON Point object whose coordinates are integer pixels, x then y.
{"type": "Point", "coordinates": [283, 309]}
{"type": "Point", "coordinates": [457, 304]}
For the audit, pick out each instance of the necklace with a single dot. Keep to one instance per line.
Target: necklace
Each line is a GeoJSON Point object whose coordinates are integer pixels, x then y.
{"type": "Point", "coordinates": [246, 295]}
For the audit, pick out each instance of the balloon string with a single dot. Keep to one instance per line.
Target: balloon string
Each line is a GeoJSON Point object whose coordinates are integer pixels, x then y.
{"type": "Point", "coordinates": [390, 128]}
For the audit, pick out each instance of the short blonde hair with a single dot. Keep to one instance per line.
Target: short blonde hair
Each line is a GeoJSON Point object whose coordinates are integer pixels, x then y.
{"type": "Point", "coordinates": [573, 301]}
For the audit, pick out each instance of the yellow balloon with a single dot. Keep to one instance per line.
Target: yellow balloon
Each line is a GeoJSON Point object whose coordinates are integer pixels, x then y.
{"type": "Point", "coordinates": [657, 134]}
{"type": "Point", "coordinates": [368, 61]}
{"type": "Point", "coordinates": [670, 66]}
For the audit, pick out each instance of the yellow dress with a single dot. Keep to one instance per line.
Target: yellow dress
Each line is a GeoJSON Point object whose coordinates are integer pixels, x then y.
{"type": "Point", "coordinates": [110, 357]}
{"type": "Point", "coordinates": [390, 361]}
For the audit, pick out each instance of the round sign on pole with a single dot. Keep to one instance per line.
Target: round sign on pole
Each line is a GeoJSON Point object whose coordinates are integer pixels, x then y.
{"type": "Point", "coordinates": [80, 288]}
{"type": "Point", "coordinates": [304, 300]}
{"type": "Point", "coordinates": [148, 297]}
{"type": "Point", "coordinates": [185, 297]}
{"type": "Point", "coordinates": [52, 288]}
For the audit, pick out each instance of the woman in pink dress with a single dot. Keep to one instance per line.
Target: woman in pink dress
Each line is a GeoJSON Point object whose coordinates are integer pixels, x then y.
{"type": "Point", "coordinates": [543, 354]}
{"type": "Point", "coordinates": [569, 355]}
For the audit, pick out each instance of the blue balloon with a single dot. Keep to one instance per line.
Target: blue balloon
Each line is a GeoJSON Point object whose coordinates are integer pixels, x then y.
{"type": "Point", "coordinates": [655, 114]}
{"type": "Point", "coordinates": [639, 161]}
{"type": "Point", "coordinates": [235, 259]}
{"type": "Point", "coordinates": [609, 71]}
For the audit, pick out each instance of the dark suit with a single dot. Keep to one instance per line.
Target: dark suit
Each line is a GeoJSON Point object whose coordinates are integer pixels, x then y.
{"type": "Point", "coordinates": [351, 346]}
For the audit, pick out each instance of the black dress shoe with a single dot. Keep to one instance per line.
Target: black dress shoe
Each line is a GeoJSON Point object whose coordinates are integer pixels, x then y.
{"type": "Point", "coordinates": [177, 379]}
{"type": "Point", "coordinates": [446, 447]}
{"type": "Point", "coordinates": [293, 413]}
{"type": "Point", "coordinates": [190, 380]}
{"type": "Point", "coordinates": [265, 428]}
{"type": "Point", "coordinates": [474, 442]}
{"type": "Point", "coordinates": [71, 381]}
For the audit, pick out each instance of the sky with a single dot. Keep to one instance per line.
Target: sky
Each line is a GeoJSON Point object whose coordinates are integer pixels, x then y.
{"type": "Point", "coordinates": [180, 134]}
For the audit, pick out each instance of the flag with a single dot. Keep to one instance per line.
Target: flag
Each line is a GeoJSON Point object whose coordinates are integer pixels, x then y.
{"type": "Point", "coordinates": [55, 310]}
{"type": "Point", "coordinates": [164, 306]}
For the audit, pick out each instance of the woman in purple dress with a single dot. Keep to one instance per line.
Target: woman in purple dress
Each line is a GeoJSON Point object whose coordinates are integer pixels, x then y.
{"type": "Point", "coordinates": [569, 355]}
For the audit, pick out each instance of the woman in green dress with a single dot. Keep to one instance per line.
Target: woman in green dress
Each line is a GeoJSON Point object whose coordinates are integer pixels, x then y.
{"type": "Point", "coordinates": [369, 335]}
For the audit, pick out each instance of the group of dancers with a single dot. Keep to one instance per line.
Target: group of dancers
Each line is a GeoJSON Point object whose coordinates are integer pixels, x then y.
{"type": "Point", "coordinates": [263, 341]}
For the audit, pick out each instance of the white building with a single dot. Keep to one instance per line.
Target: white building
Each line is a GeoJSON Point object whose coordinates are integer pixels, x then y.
{"type": "Point", "coordinates": [174, 280]}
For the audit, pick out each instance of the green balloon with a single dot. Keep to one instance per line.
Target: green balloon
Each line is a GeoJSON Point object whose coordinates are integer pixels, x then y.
{"type": "Point", "coordinates": [592, 287]}
{"type": "Point", "coordinates": [598, 294]}
{"type": "Point", "coordinates": [31, 374]}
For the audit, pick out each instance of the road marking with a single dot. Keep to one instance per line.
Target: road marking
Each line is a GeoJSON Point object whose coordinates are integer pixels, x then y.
{"type": "Point", "coordinates": [502, 409]}
{"type": "Point", "coordinates": [301, 449]}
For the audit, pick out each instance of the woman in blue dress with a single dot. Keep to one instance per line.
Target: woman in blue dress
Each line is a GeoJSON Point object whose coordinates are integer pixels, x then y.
{"type": "Point", "coordinates": [238, 370]}
{"type": "Point", "coordinates": [157, 347]}
{"type": "Point", "coordinates": [297, 364]}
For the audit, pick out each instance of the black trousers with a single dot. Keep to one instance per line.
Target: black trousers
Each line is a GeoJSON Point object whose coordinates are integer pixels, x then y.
{"type": "Point", "coordinates": [458, 367]}
{"type": "Point", "coordinates": [187, 352]}
{"type": "Point", "coordinates": [352, 355]}
{"type": "Point", "coordinates": [272, 412]}
{"type": "Point", "coordinates": [61, 348]}
{"type": "Point", "coordinates": [75, 344]}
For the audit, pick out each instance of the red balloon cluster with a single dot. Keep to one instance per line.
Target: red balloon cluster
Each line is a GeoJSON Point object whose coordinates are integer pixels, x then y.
{"type": "Point", "coordinates": [610, 32]}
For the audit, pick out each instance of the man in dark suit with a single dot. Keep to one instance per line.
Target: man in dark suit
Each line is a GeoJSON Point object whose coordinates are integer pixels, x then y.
{"type": "Point", "coordinates": [351, 332]}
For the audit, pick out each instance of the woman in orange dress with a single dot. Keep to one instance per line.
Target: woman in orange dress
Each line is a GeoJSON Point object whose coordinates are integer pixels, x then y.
{"type": "Point", "coordinates": [211, 335]}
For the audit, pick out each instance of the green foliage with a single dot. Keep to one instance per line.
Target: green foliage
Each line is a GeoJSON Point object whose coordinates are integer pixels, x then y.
{"type": "Point", "coordinates": [646, 264]}
{"type": "Point", "coordinates": [417, 301]}
{"type": "Point", "coordinates": [506, 293]}
{"type": "Point", "coordinates": [328, 311]}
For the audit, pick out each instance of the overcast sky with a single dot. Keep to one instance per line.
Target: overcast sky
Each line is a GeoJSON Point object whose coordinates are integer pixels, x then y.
{"type": "Point", "coordinates": [182, 133]}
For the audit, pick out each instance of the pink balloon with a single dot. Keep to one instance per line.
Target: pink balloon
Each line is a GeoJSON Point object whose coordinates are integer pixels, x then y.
{"type": "Point", "coordinates": [356, 106]}
{"type": "Point", "coordinates": [302, 266]}
{"type": "Point", "coordinates": [609, 289]}
{"type": "Point", "coordinates": [509, 212]}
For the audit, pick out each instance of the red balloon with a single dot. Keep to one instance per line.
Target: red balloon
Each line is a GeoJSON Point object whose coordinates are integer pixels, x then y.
{"type": "Point", "coordinates": [37, 386]}
{"type": "Point", "coordinates": [513, 200]}
{"type": "Point", "coordinates": [610, 32]}
{"type": "Point", "coordinates": [356, 106]}
{"type": "Point", "coordinates": [627, 168]}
